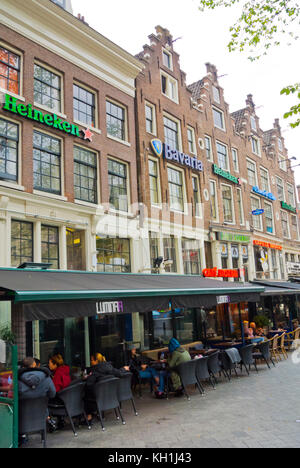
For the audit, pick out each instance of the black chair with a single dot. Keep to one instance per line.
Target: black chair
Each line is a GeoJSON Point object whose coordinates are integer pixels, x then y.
{"type": "Point", "coordinates": [202, 372]}
{"type": "Point", "coordinates": [33, 416]}
{"type": "Point", "coordinates": [72, 404]}
{"type": "Point", "coordinates": [247, 358]}
{"type": "Point", "coordinates": [264, 353]}
{"type": "Point", "coordinates": [229, 363]}
{"type": "Point", "coordinates": [214, 366]}
{"type": "Point", "coordinates": [106, 398]}
{"type": "Point", "coordinates": [187, 374]}
{"type": "Point", "coordinates": [124, 390]}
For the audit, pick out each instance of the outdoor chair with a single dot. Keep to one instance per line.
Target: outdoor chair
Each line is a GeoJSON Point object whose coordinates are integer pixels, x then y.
{"type": "Point", "coordinates": [106, 398]}
{"type": "Point", "coordinates": [264, 353]}
{"type": "Point", "coordinates": [274, 348]}
{"type": "Point", "coordinates": [33, 416]}
{"type": "Point", "coordinates": [247, 358]}
{"type": "Point", "coordinates": [281, 347]}
{"type": "Point", "coordinates": [291, 338]}
{"type": "Point", "coordinates": [187, 374]}
{"type": "Point", "coordinates": [72, 404]}
{"type": "Point", "coordinates": [124, 390]}
{"type": "Point", "coordinates": [202, 373]}
{"type": "Point", "coordinates": [214, 366]}
{"type": "Point", "coordinates": [230, 358]}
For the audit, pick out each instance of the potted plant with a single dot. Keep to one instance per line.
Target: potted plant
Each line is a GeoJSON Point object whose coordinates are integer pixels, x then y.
{"type": "Point", "coordinates": [7, 335]}
{"type": "Point", "coordinates": [261, 321]}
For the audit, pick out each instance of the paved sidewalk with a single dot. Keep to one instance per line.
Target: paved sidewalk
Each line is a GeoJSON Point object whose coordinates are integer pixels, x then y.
{"type": "Point", "coordinates": [249, 412]}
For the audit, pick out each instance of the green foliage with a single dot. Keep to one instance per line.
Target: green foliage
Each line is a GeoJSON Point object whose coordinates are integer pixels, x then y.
{"type": "Point", "coordinates": [260, 26]}
{"type": "Point", "coordinates": [6, 334]}
{"type": "Point", "coordinates": [261, 321]}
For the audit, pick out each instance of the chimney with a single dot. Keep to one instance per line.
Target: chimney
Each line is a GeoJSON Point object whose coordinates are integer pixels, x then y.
{"type": "Point", "coordinates": [212, 69]}
{"type": "Point", "coordinates": [250, 102]}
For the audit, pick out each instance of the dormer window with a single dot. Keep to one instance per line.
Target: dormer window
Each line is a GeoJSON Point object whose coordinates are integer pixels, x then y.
{"type": "Point", "coordinates": [167, 60]}
{"type": "Point", "coordinates": [253, 123]}
{"type": "Point", "coordinates": [216, 94]}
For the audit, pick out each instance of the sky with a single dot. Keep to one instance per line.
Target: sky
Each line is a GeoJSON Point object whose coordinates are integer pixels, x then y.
{"type": "Point", "coordinates": [203, 37]}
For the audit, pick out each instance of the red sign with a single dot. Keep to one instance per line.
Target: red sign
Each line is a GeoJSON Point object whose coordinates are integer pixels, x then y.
{"type": "Point", "coordinates": [267, 245]}
{"type": "Point", "coordinates": [215, 273]}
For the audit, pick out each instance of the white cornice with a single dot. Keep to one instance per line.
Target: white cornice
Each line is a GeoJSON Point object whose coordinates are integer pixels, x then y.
{"type": "Point", "coordinates": [60, 32]}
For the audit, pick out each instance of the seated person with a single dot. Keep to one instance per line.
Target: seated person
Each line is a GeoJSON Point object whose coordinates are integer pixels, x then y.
{"type": "Point", "coordinates": [141, 369]}
{"type": "Point", "coordinates": [178, 355]}
{"type": "Point", "coordinates": [60, 372]}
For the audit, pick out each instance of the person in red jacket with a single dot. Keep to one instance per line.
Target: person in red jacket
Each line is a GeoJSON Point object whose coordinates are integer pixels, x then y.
{"type": "Point", "coordinates": [61, 372]}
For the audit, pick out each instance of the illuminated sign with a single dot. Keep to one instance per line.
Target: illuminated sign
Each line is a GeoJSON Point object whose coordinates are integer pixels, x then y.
{"type": "Point", "coordinates": [267, 245]}
{"type": "Point", "coordinates": [227, 236]}
{"type": "Point", "coordinates": [264, 193]}
{"type": "Point", "coordinates": [181, 158]}
{"type": "Point", "coordinates": [109, 307]}
{"type": "Point", "coordinates": [223, 299]}
{"type": "Point", "coordinates": [226, 175]}
{"type": "Point", "coordinates": [288, 207]}
{"type": "Point", "coordinates": [50, 120]}
{"type": "Point", "coordinates": [215, 273]}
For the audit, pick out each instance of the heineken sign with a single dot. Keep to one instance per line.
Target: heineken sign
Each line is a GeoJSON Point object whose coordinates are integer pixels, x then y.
{"type": "Point", "coordinates": [285, 206]}
{"type": "Point", "coordinates": [226, 175]}
{"type": "Point", "coordinates": [50, 120]}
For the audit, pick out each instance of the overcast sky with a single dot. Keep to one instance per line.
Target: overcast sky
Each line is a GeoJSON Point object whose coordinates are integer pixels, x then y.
{"type": "Point", "coordinates": [204, 38]}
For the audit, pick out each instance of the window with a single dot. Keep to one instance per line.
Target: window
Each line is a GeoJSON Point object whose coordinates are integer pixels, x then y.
{"type": "Point", "coordinates": [171, 128]}
{"type": "Point", "coordinates": [167, 60]}
{"type": "Point", "coordinates": [21, 242]}
{"type": "Point", "coordinates": [191, 257]}
{"type": "Point", "coordinates": [9, 71]}
{"type": "Point", "coordinates": [117, 181]}
{"type": "Point", "coordinates": [196, 196]}
{"type": "Point", "coordinates": [280, 189]}
{"type": "Point", "coordinates": [256, 220]}
{"type": "Point", "coordinates": [282, 162]}
{"type": "Point", "coordinates": [47, 88]}
{"type": "Point", "coordinates": [84, 106]}
{"type": "Point", "coordinates": [240, 206]}
{"type": "Point", "coordinates": [169, 86]}
{"type": "Point", "coordinates": [222, 156]}
{"type": "Point", "coordinates": [235, 160]}
{"type": "Point", "coordinates": [113, 255]}
{"type": "Point", "coordinates": [253, 123]}
{"type": "Point", "coordinates": [150, 119]}
{"type": "Point", "coordinates": [285, 224]}
{"type": "Point", "coordinates": [9, 142]}
{"type": "Point", "coordinates": [170, 254]}
{"type": "Point", "coordinates": [216, 94]}
{"type": "Point", "coordinates": [291, 195]}
{"type": "Point", "coordinates": [295, 225]}
{"type": "Point", "coordinates": [269, 218]}
{"type": "Point", "coordinates": [154, 182]}
{"type": "Point", "coordinates": [218, 119]}
{"type": "Point", "coordinates": [50, 246]}
{"type": "Point", "coordinates": [191, 140]}
{"type": "Point", "coordinates": [213, 200]}
{"type": "Point", "coordinates": [46, 163]}
{"type": "Point", "coordinates": [264, 177]}
{"type": "Point", "coordinates": [208, 148]}
{"type": "Point", "coordinates": [227, 203]}
{"type": "Point", "coordinates": [255, 146]}
{"type": "Point", "coordinates": [115, 120]}
{"type": "Point", "coordinates": [154, 248]}
{"type": "Point", "coordinates": [251, 169]}
{"type": "Point", "coordinates": [85, 175]}
{"type": "Point", "coordinates": [280, 145]}
{"type": "Point", "coordinates": [175, 179]}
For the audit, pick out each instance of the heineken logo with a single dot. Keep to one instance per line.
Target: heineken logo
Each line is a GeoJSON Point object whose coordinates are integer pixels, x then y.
{"type": "Point", "coordinates": [50, 120]}
{"type": "Point", "coordinates": [226, 175]}
{"type": "Point", "coordinates": [288, 207]}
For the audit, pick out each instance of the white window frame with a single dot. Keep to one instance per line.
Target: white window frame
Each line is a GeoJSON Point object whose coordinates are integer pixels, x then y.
{"type": "Point", "coordinates": [166, 52]}
{"type": "Point", "coordinates": [284, 197]}
{"type": "Point", "coordinates": [156, 161]}
{"type": "Point", "coordinates": [178, 123]}
{"type": "Point", "coordinates": [219, 111]}
{"type": "Point", "coordinates": [241, 211]}
{"type": "Point", "coordinates": [169, 81]}
{"type": "Point", "coordinates": [216, 94]}
{"type": "Point", "coordinates": [216, 199]}
{"type": "Point", "coordinates": [273, 222]}
{"type": "Point", "coordinates": [62, 87]}
{"type": "Point", "coordinates": [296, 224]}
{"type": "Point", "coordinates": [288, 224]}
{"type": "Point", "coordinates": [112, 137]}
{"type": "Point", "coordinates": [191, 129]}
{"type": "Point", "coordinates": [255, 148]}
{"type": "Point", "coordinates": [211, 157]}
{"type": "Point", "coordinates": [290, 186]}
{"type": "Point", "coordinates": [254, 163]}
{"type": "Point", "coordinates": [253, 123]}
{"type": "Point", "coordinates": [282, 162]}
{"type": "Point", "coordinates": [177, 169]}
{"type": "Point", "coordinates": [232, 204]}
{"type": "Point", "coordinates": [152, 106]}
{"type": "Point", "coordinates": [261, 178]}
{"type": "Point", "coordinates": [19, 96]}
{"type": "Point", "coordinates": [198, 208]}
{"type": "Point", "coordinates": [255, 218]}
{"type": "Point", "coordinates": [227, 156]}
{"type": "Point", "coordinates": [86, 88]}
{"type": "Point", "coordinates": [235, 162]}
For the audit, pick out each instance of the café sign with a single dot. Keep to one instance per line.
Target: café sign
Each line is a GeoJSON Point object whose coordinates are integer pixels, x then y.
{"type": "Point", "coordinates": [215, 273]}
{"type": "Point", "coordinates": [226, 236]}
{"type": "Point", "coordinates": [285, 206]}
{"type": "Point", "coordinates": [267, 245]}
{"type": "Point", "coordinates": [226, 175]}
{"type": "Point", "coordinates": [115, 307]}
{"type": "Point", "coordinates": [49, 120]}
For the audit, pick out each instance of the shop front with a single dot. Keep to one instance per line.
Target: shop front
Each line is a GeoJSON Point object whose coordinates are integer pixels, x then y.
{"type": "Point", "coordinates": [80, 313]}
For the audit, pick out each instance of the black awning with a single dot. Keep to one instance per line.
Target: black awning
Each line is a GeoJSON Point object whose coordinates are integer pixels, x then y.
{"type": "Point", "coordinates": [62, 294]}
{"type": "Point", "coordinates": [278, 288]}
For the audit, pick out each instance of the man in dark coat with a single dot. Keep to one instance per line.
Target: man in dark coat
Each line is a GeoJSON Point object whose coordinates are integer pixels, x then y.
{"type": "Point", "coordinates": [35, 382]}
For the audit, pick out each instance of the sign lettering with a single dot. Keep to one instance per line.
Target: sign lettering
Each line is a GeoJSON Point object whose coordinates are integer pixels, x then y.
{"type": "Point", "coordinates": [109, 307]}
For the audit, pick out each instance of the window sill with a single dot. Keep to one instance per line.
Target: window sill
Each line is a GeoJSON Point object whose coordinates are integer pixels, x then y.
{"type": "Point", "coordinates": [85, 203]}
{"type": "Point", "coordinates": [49, 195]}
{"type": "Point", "coordinates": [47, 109]}
{"type": "Point", "coordinates": [11, 185]}
{"type": "Point", "coordinates": [17, 96]}
{"type": "Point", "coordinates": [126, 143]}
{"type": "Point", "coordinates": [171, 99]}
{"type": "Point", "coordinates": [92, 129]}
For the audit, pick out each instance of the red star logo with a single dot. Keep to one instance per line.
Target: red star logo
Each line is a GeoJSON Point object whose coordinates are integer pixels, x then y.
{"type": "Point", "coordinates": [87, 134]}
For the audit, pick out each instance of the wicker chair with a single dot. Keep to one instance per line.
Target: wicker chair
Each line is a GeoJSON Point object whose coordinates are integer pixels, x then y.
{"type": "Point", "coordinates": [291, 337]}
{"type": "Point", "coordinates": [274, 348]}
{"type": "Point", "coordinates": [281, 348]}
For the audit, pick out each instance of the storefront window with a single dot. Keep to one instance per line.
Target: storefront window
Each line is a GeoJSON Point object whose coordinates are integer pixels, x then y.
{"type": "Point", "coordinates": [113, 255]}
{"type": "Point", "coordinates": [162, 328]}
{"type": "Point", "coordinates": [117, 181]}
{"type": "Point", "coordinates": [185, 326]}
{"type": "Point", "coordinates": [191, 257]}
{"type": "Point", "coordinates": [170, 254]}
{"type": "Point", "coordinates": [154, 248]}
{"type": "Point", "coordinates": [76, 256]}
{"type": "Point", "coordinates": [50, 246]}
{"type": "Point", "coordinates": [21, 242]}
{"type": "Point", "coordinates": [261, 262]}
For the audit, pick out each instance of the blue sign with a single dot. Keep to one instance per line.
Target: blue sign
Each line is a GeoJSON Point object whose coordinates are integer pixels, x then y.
{"type": "Point", "coordinates": [258, 212]}
{"type": "Point", "coordinates": [157, 147]}
{"type": "Point", "coordinates": [264, 193]}
{"type": "Point", "coordinates": [181, 158]}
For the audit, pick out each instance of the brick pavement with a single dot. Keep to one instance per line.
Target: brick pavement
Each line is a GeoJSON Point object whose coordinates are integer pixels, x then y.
{"type": "Point", "coordinates": [259, 411]}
